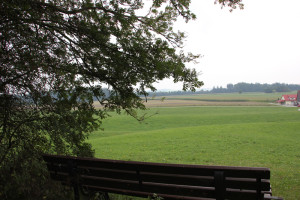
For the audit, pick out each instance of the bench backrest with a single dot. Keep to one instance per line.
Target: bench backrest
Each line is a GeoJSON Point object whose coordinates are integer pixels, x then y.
{"type": "Point", "coordinates": [170, 181]}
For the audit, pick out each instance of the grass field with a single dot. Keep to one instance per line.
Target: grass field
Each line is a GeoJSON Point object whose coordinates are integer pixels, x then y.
{"type": "Point", "coordinates": [257, 136]}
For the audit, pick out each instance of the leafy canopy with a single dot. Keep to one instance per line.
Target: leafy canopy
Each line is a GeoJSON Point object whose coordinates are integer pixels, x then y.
{"type": "Point", "coordinates": [57, 55]}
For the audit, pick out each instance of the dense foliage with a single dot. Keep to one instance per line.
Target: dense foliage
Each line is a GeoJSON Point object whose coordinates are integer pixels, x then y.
{"type": "Point", "coordinates": [56, 55]}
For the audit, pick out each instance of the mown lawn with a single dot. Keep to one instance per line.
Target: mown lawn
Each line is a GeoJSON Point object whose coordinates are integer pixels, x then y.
{"type": "Point", "coordinates": [236, 136]}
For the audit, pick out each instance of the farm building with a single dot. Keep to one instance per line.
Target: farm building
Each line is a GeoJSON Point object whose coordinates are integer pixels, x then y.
{"type": "Point", "coordinates": [290, 99]}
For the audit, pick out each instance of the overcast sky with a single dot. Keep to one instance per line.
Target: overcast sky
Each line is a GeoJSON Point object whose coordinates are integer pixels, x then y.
{"type": "Point", "coordinates": [260, 44]}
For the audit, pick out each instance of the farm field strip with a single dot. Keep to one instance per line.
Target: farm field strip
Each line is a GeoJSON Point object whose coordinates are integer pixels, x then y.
{"type": "Point", "coordinates": [224, 99]}
{"type": "Point", "coordinates": [180, 102]}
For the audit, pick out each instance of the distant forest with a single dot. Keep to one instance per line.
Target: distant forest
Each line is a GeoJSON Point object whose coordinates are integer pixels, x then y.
{"type": "Point", "coordinates": [239, 87]}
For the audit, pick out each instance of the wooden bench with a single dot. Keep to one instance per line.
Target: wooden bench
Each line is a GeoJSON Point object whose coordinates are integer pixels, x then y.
{"type": "Point", "coordinates": [170, 181]}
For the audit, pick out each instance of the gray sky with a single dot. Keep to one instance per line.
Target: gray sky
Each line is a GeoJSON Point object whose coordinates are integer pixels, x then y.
{"type": "Point", "coordinates": [260, 44]}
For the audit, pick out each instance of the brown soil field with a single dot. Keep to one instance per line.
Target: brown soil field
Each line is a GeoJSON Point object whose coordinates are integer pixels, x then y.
{"type": "Point", "coordinates": [175, 103]}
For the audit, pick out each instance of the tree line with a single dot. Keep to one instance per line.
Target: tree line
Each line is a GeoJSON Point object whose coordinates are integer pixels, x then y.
{"type": "Point", "coordinates": [239, 87]}
{"type": "Point", "coordinates": [256, 87]}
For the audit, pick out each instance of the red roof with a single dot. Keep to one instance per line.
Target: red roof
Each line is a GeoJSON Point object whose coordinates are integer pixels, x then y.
{"type": "Point", "coordinates": [289, 97]}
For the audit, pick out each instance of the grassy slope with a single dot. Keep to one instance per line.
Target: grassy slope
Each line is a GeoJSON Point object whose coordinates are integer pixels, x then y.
{"type": "Point", "coordinates": [238, 136]}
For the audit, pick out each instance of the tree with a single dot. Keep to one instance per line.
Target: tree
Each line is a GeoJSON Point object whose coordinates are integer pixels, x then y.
{"type": "Point", "coordinates": [268, 90]}
{"type": "Point", "coordinates": [58, 55]}
{"type": "Point", "coordinates": [230, 87]}
{"type": "Point", "coordinates": [281, 87]}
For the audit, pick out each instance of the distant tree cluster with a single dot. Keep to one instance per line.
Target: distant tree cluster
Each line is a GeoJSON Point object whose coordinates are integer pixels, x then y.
{"type": "Point", "coordinates": [239, 87]}
{"type": "Point", "coordinates": [256, 87]}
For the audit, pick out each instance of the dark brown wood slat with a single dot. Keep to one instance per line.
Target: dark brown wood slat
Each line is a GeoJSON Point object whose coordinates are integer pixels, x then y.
{"type": "Point", "coordinates": [149, 187]}
{"type": "Point", "coordinates": [248, 184]}
{"type": "Point", "coordinates": [181, 169]}
{"type": "Point", "coordinates": [234, 194]}
{"type": "Point", "coordinates": [64, 180]}
{"type": "Point", "coordinates": [110, 173]}
{"type": "Point", "coordinates": [150, 177]}
{"type": "Point", "coordinates": [206, 181]}
{"type": "Point", "coordinates": [234, 184]}
{"type": "Point", "coordinates": [242, 172]}
{"type": "Point", "coordinates": [142, 194]}
{"type": "Point", "coordinates": [100, 172]}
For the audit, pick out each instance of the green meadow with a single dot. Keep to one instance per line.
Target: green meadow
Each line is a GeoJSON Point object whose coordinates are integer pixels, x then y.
{"type": "Point", "coordinates": [254, 136]}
